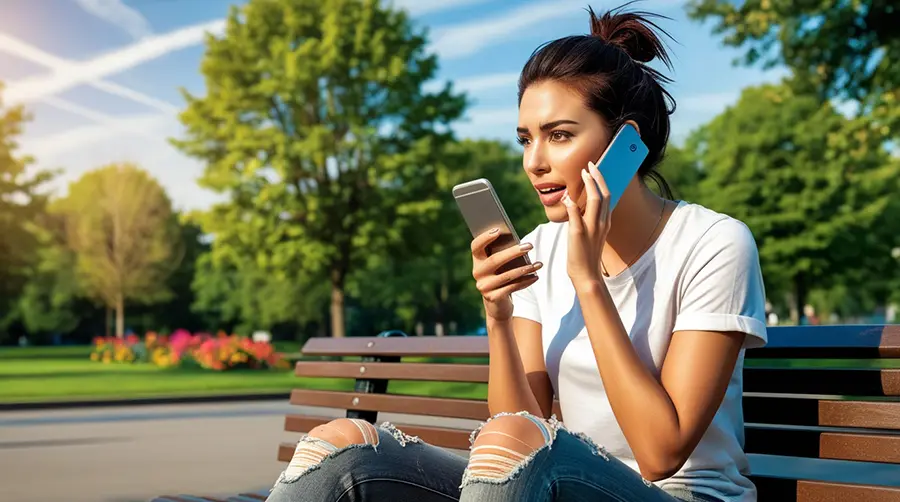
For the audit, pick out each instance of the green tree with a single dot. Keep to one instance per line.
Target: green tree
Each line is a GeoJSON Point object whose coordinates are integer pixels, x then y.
{"type": "Point", "coordinates": [815, 187]}
{"type": "Point", "coordinates": [49, 301]}
{"type": "Point", "coordinates": [316, 124]}
{"type": "Point", "coordinates": [844, 49]}
{"type": "Point", "coordinates": [681, 171]}
{"type": "Point", "coordinates": [120, 225]}
{"type": "Point", "coordinates": [21, 203]}
{"type": "Point", "coordinates": [427, 275]}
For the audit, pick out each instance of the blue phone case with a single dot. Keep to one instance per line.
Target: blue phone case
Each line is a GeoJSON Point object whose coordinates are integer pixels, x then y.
{"type": "Point", "coordinates": [621, 161]}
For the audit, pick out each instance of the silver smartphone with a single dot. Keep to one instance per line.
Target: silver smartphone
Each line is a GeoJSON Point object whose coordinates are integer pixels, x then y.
{"type": "Point", "coordinates": [482, 211]}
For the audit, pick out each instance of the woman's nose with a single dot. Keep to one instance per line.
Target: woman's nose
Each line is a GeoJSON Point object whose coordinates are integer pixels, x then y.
{"type": "Point", "coordinates": [534, 160]}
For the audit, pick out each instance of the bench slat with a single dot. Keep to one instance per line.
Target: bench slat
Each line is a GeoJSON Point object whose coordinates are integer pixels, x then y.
{"type": "Point", "coordinates": [822, 412]}
{"type": "Point", "coordinates": [792, 490]}
{"type": "Point", "coordinates": [830, 342]}
{"type": "Point", "coordinates": [846, 382]}
{"type": "Point", "coordinates": [431, 346]}
{"type": "Point", "coordinates": [839, 341]}
{"type": "Point", "coordinates": [392, 403]}
{"type": "Point", "coordinates": [395, 371]}
{"type": "Point", "coordinates": [822, 442]}
{"type": "Point", "coordinates": [824, 470]}
{"type": "Point", "coordinates": [438, 436]}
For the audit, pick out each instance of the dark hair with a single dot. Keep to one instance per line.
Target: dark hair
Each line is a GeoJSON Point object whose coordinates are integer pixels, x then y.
{"type": "Point", "coordinates": [609, 68]}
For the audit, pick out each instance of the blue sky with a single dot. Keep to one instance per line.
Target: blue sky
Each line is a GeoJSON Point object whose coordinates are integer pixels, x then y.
{"type": "Point", "coordinates": [101, 77]}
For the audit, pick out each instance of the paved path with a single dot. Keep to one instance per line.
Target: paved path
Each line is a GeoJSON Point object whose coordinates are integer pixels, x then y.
{"type": "Point", "coordinates": [130, 454]}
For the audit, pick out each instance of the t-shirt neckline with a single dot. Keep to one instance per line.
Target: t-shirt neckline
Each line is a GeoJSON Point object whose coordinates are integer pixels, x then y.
{"type": "Point", "coordinates": [627, 276]}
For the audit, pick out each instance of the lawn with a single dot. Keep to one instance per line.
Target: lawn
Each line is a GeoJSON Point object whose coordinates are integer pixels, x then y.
{"type": "Point", "coordinates": [65, 373]}
{"type": "Point", "coordinates": [61, 373]}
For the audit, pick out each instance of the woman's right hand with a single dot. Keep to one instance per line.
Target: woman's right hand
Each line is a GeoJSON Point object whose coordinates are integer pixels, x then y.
{"type": "Point", "coordinates": [496, 288]}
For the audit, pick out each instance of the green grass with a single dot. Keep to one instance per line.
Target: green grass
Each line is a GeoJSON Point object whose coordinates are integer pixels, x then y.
{"type": "Point", "coordinates": [61, 373]}
{"type": "Point", "coordinates": [65, 373]}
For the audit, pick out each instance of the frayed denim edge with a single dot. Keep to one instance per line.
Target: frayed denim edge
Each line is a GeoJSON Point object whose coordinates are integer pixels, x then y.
{"type": "Point", "coordinates": [401, 437]}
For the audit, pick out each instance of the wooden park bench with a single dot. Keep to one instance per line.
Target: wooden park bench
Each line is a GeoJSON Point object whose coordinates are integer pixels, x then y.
{"type": "Point", "coordinates": [814, 433]}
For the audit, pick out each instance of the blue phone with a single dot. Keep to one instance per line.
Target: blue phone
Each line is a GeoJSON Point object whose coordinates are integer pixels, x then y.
{"type": "Point", "coordinates": [621, 161]}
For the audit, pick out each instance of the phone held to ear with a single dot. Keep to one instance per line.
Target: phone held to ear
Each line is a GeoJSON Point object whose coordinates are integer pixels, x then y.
{"type": "Point", "coordinates": [482, 211]}
{"type": "Point", "coordinates": [621, 161]}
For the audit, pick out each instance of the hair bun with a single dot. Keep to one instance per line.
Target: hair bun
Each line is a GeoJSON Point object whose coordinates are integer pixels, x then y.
{"type": "Point", "coordinates": [632, 32]}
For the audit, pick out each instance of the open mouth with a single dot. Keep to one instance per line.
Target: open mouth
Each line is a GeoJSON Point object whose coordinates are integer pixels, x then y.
{"type": "Point", "coordinates": [551, 189]}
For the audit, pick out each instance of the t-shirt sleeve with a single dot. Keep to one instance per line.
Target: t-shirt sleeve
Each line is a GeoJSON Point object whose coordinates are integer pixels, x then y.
{"type": "Point", "coordinates": [722, 287]}
{"type": "Point", "coordinates": [525, 303]}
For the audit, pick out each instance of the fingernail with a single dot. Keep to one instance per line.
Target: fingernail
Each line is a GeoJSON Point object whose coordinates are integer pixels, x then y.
{"type": "Point", "coordinates": [591, 164]}
{"type": "Point", "coordinates": [537, 266]}
{"type": "Point", "coordinates": [494, 230]}
{"type": "Point", "coordinates": [566, 200]}
{"type": "Point", "coordinates": [526, 247]}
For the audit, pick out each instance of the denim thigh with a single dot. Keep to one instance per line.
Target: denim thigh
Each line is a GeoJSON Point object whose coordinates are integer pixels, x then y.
{"type": "Point", "coordinates": [570, 468]}
{"type": "Point", "coordinates": [400, 468]}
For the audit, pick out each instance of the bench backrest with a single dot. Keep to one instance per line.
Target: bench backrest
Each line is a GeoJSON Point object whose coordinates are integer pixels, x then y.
{"type": "Point", "coordinates": [806, 394]}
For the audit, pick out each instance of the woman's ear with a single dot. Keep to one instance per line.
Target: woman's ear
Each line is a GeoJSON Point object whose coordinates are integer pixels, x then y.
{"type": "Point", "coordinates": [634, 124]}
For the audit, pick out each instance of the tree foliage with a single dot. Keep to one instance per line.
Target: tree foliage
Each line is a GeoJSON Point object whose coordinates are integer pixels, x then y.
{"type": "Point", "coordinates": [316, 124]}
{"type": "Point", "coordinates": [846, 49]}
{"type": "Point", "coordinates": [21, 203]}
{"type": "Point", "coordinates": [815, 187]}
{"type": "Point", "coordinates": [427, 276]}
{"type": "Point", "coordinates": [120, 225]}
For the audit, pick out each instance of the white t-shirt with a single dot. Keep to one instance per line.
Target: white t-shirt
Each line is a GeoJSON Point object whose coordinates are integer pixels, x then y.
{"type": "Point", "coordinates": [702, 273]}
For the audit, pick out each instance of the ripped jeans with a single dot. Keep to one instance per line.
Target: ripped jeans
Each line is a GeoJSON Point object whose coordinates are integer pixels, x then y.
{"type": "Point", "coordinates": [514, 457]}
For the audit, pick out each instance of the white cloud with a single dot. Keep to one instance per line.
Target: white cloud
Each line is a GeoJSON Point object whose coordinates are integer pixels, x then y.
{"type": "Point", "coordinates": [465, 39]}
{"type": "Point", "coordinates": [421, 7]}
{"type": "Point", "coordinates": [710, 104]}
{"type": "Point", "coordinates": [479, 83]}
{"type": "Point", "coordinates": [116, 13]}
{"type": "Point", "coordinates": [86, 148]}
{"type": "Point", "coordinates": [28, 52]}
{"type": "Point", "coordinates": [111, 63]}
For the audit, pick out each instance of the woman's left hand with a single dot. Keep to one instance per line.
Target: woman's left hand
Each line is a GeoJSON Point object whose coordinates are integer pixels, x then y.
{"type": "Point", "coordinates": [587, 233]}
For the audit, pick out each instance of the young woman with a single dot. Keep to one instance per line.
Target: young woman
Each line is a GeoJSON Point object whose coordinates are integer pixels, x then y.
{"type": "Point", "coordinates": [636, 320]}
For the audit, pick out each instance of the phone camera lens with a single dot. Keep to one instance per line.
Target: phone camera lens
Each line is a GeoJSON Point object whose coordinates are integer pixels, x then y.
{"type": "Point", "coordinates": [633, 147]}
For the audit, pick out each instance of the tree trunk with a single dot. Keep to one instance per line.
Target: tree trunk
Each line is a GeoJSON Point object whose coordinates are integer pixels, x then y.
{"type": "Point", "coordinates": [108, 321]}
{"type": "Point", "coordinates": [120, 316]}
{"type": "Point", "coordinates": [337, 304]}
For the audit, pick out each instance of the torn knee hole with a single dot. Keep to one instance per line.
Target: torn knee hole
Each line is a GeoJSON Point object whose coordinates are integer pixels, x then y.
{"type": "Point", "coordinates": [504, 445]}
{"type": "Point", "coordinates": [327, 440]}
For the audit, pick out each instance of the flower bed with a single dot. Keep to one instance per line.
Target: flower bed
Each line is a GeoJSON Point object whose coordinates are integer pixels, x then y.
{"type": "Point", "coordinates": [184, 349]}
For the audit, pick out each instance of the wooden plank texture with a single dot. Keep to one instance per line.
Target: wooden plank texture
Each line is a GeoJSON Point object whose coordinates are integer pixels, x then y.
{"type": "Point", "coordinates": [438, 436]}
{"type": "Point", "coordinates": [826, 342]}
{"type": "Point", "coordinates": [823, 442]}
{"type": "Point", "coordinates": [824, 412]}
{"type": "Point", "coordinates": [395, 371]}
{"type": "Point", "coordinates": [839, 341]}
{"type": "Point", "coordinates": [844, 382]}
{"type": "Point", "coordinates": [431, 346]}
{"type": "Point", "coordinates": [390, 403]}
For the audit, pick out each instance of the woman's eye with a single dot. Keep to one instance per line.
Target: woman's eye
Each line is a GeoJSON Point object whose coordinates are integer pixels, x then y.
{"type": "Point", "coordinates": [522, 140]}
{"type": "Point", "coordinates": [559, 136]}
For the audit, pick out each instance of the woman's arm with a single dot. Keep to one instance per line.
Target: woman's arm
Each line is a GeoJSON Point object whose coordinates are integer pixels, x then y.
{"type": "Point", "coordinates": [518, 378]}
{"type": "Point", "coordinates": [663, 420]}
{"type": "Point", "coordinates": [720, 301]}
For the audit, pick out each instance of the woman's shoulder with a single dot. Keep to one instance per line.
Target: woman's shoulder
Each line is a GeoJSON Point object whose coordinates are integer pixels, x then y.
{"type": "Point", "coordinates": [708, 236]}
{"type": "Point", "coordinates": [706, 227]}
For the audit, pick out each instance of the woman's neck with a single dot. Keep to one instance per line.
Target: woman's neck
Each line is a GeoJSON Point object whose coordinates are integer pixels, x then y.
{"type": "Point", "coordinates": [636, 223]}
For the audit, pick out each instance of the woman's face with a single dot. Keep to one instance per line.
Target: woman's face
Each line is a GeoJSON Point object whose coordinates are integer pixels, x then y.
{"type": "Point", "coordinates": [560, 135]}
